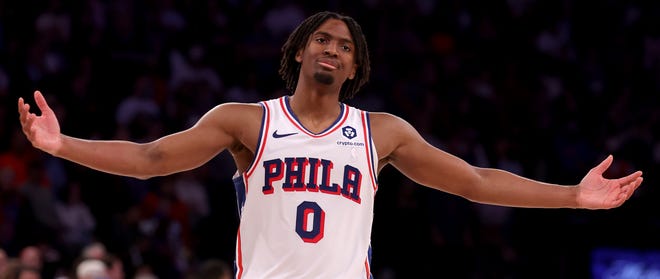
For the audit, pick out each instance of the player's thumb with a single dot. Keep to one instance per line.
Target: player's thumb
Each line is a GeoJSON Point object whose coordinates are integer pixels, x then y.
{"type": "Point", "coordinates": [604, 165]}
{"type": "Point", "coordinates": [41, 103]}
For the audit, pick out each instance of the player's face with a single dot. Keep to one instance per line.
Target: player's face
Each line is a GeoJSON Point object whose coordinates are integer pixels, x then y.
{"type": "Point", "coordinates": [329, 54]}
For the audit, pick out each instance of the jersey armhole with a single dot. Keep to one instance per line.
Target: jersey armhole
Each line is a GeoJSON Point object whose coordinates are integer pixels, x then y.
{"type": "Point", "coordinates": [263, 136]}
{"type": "Point", "coordinates": [372, 157]}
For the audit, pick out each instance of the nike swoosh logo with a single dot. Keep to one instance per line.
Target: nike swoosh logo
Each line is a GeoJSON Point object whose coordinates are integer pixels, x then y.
{"type": "Point", "coordinates": [276, 135]}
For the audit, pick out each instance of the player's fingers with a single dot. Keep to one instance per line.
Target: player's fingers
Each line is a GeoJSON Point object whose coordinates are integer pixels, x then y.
{"type": "Point", "coordinates": [635, 184]}
{"type": "Point", "coordinates": [20, 104]}
{"type": "Point", "coordinates": [27, 128]}
{"type": "Point", "coordinates": [27, 123]}
{"type": "Point", "coordinates": [23, 109]}
{"type": "Point", "coordinates": [632, 178]}
{"type": "Point", "coordinates": [629, 188]}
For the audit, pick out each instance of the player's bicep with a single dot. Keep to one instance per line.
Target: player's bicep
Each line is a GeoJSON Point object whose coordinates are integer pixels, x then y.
{"type": "Point", "coordinates": [192, 147]}
{"type": "Point", "coordinates": [430, 166]}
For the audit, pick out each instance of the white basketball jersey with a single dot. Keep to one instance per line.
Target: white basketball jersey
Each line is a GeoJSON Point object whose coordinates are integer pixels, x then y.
{"type": "Point", "coordinates": [306, 202]}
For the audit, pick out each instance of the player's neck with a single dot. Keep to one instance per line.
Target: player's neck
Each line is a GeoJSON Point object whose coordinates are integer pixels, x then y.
{"type": "Point", "coordinates": [315, 110]}
{"type": "Point", "coordinates": [318, 101]}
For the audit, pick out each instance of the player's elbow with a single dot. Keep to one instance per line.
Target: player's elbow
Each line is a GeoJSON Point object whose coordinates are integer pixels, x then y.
{"type": "Point", "coordinates": [152, 163]}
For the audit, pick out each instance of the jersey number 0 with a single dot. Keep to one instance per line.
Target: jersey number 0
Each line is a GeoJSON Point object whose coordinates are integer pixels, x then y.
{"type": "Point", "coordinates": [310, 219]}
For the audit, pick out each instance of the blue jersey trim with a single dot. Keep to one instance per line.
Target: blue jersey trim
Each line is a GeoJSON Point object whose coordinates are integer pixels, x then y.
{"type": "Point", "coordinates": [239, 185]}
{"type": "Point", "coordinates": [332, 126]}
{"type": "Point", "coordinates": [374, 160]}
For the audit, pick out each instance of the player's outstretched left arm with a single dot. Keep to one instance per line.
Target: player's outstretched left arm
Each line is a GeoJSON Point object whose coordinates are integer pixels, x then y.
{"type": "Point", "coordinates": [598, 192]}
{"type": "Point", "coordinates": [399, 144]}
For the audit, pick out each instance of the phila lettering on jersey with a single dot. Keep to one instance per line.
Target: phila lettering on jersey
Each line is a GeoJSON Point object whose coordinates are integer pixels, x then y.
{"type": "Point", "coordinates": [306, 202]}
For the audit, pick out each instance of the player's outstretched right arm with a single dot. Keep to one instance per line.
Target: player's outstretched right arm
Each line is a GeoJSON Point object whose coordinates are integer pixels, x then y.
{"type": "Point", "coordinates": [173, 153]}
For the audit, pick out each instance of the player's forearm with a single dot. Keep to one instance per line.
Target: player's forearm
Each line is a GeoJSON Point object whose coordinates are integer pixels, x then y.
{"type": "Point", "coordinates": [505, 188]}
{"type": "Point", "coordinates": [113, 156]}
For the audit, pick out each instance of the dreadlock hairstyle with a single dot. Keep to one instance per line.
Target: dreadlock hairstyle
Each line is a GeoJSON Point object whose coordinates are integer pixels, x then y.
{"type": "Point", "coordinates": [290, 68]}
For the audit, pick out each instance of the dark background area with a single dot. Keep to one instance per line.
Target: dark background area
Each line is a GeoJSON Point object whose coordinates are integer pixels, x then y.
{"type": "Point", "coordinates": [544, 89]}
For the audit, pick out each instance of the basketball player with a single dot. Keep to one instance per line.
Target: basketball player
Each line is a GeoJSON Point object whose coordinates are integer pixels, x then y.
{"type": "Point", "coordinates": [307, 164]}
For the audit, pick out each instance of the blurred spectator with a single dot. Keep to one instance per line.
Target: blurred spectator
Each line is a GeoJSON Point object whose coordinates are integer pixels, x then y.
{"type": "Point", "coordinates": [4, 261]}
{"type": "Point", "coordinates": [115, 267]}
{"type": "Point", "coordinates": [54, 23]}
{"type": "Point", "coordinates": [140, 104]}
{"type": "Point", "coordinates": [40, 205]}
{"type": "Point", "coordinates": [91, 269]}
{"type": "Point", "coordinates": [169, 17]}
{"type": "Point", "coordinates": [246, 91]}
{"type": "Point", "coordinates": [214, 269]}
{"type": "Point", "coordinates": [145, 272]}
{"type": "Point", "coordinates": [94, 250]}
{"type": "Point", "coordinates": [15, 159]}
{"type": "Point", "coordinates": [78, 223]}
{"type": "Point", "coordinates": [282, 18]}
{"type": "Point", "coordinates": [31, 256]}
{"type": "Point", "coordinates": [10, 207]}
{"type": "Point", "coordinates": [190, 67]}
{"type": "Point", "coordinates": [192, 192]}
{"type": "Point", "coordinates": [17, 270]}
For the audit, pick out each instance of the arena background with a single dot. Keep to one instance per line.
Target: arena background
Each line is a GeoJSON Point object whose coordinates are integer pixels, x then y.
{"type": "Point", "coordinates": [545, 89]}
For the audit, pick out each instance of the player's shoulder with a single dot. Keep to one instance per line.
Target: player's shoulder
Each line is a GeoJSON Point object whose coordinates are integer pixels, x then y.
{"type": "Point", "coordinates": [389, 127]}
{"type": "Point", "coordinates": [385, 119]}
{"type": "Point", "coordinates": [238, 109]}
{"type": "Point", "coordinates": [389, 131]}
{"type": "Point", "coordinates": [234, 113]}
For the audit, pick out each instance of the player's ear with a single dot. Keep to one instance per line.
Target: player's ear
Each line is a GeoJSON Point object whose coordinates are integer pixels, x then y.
{"type": "Point", "coordinates": [353, 71]}
{"type": "Point", "coordinates": [299, 55]}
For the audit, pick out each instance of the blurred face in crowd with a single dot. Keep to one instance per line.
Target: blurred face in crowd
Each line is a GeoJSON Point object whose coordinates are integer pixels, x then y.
{"type": "Point", "coordinates": [4, 261]}
{"type": "Point", "coordinates": [29, 274]}
{"type": "Point", "coordinates": [31, 257]}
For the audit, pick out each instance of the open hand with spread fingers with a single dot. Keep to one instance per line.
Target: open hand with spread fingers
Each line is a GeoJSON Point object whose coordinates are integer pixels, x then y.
{"type": "Point", "coordinates": [43, 130]}
{"type": "Point", "coordinates": [598, 192]}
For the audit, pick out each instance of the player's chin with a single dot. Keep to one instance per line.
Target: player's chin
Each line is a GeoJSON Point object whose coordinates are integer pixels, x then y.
{"type": "Point", "coordinates": [324, 78]}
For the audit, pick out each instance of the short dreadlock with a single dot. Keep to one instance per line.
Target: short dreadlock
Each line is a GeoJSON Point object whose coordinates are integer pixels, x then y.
{"type": "Point", "coordinates": [290, 68]}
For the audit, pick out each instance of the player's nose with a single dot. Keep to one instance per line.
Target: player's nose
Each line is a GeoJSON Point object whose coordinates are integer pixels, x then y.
{"type": "Point", "coordinates": [330, 50]}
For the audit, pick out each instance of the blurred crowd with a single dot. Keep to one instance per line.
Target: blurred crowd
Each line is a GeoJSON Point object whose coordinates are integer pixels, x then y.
{"type": "Point", "coordinates": [545, 89]}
